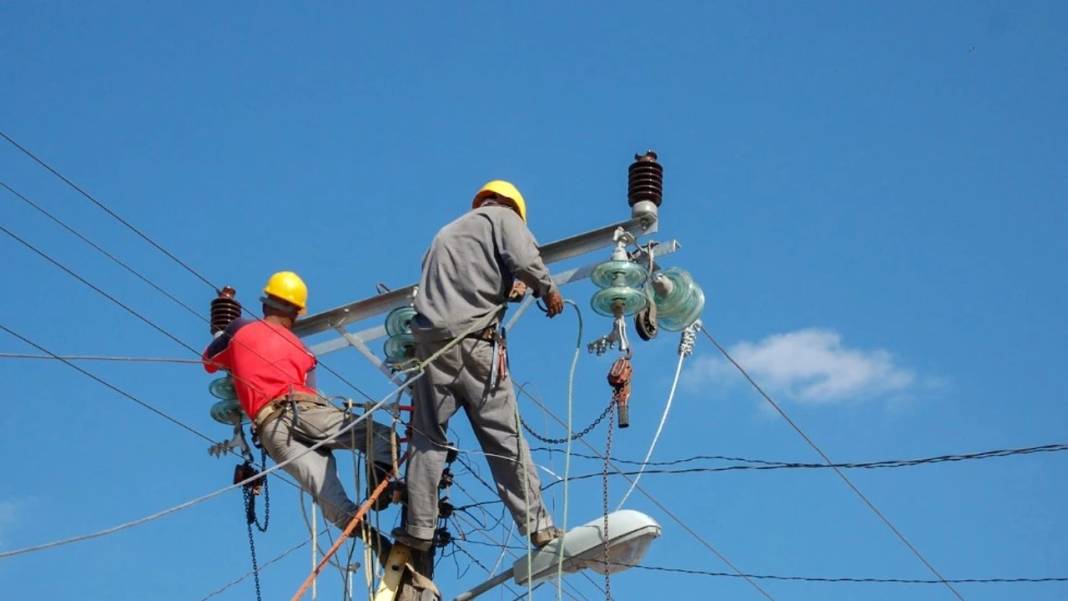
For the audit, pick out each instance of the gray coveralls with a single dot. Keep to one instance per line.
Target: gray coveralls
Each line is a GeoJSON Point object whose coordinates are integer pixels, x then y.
{"type": "Point", "coordinates": [293, 431]}
{"type": "Point", "coordinates": [466, 278]}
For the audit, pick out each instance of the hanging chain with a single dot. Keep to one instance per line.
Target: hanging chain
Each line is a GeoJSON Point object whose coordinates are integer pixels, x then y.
{"type": "Point", "coordinates": [604, 501]}
{"type": "Point", "coordinates": [252, 543]}
{"type": "Point", "coordinates": [248, 493]}
{"type": "Point", "coordinates": [577, 435]}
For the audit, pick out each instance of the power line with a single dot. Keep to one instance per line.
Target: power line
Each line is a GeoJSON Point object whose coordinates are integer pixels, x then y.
{"type": "Point", "coordinates": [746, 463]}
{"type": "Point", "coordinates": [836, 469]}
{"type": "Point", "coordinates": [115, 358]}
{"type": "Point", "coordinates": [107, 384]}
{"type": "Point", "coordinates": [99, 290]}
{"type": "Point", "coordinates": [826, 579]}
{"type": "Point", "coordinates": [259, 569]}
{"type": "Point", "coordinates": [145, 279]}
{"type": "Point", "coordinates": [182, 506]}
{"type": "Point", "coordinates": [101, 250]}
{"type": "Point", "coordinates": [853, 579]}
{"type": "Point", "coordinates": [106, 209]}
{"type": "Point", "coordinates": [682, 524]}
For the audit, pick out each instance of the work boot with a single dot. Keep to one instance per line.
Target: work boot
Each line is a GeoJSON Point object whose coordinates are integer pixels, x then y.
{"type": "Point", "coordinates": [376, 474]}
{"type": "Point", "coordinates": [400, 535]}
{"type": "Point", "coordinates": [545, 536]}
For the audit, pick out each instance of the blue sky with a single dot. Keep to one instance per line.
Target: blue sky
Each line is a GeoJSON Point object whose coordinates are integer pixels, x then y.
{"type": "Point", "coordinates": [873, 196]}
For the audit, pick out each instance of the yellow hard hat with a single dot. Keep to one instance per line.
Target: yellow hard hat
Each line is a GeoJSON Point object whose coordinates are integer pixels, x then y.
{"type": "Point", "coordinates": [288, 286]}
{"type": "Point", "coordinates": [499, 187]}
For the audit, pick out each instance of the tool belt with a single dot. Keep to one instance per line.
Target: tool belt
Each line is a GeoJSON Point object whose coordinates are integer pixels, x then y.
{"type": "Point", "coordinates": [278, 405]}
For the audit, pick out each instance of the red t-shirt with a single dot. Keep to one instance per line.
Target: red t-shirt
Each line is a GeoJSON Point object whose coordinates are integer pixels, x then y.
{"type": "Point", "coordinates": [267, 361]}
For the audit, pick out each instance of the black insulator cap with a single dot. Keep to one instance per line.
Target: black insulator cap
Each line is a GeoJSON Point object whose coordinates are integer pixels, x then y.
{"type": "Point", "coordinates": [645, 180]}
{"type": "Point", "coordinates": [442, 537]}
{"type": "Point", "coordinates": [445, 508]}
{"type": "Point", "coordinates": [224, 309]}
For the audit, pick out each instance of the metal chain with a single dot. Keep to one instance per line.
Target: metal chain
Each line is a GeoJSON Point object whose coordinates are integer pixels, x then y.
{"type": "Point", "coordinates": [575, 436]}
{"type": "Point", "coordinates": [247, 494]}
{"type": "Point", "coordinates": [604, 501]}
{"type": "Point", "coordinates": [249, 497]}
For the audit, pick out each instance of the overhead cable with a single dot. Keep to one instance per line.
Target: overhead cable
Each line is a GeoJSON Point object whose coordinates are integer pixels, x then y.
{"type": "Point", "coordinates": [107, 254]}
{"type": "Point", "coordinates": [181, 506]}
{"type": "Point", "coordinates": [746, 463]}
{"type": "Point", "coordinates": [837, 470]}
{"type": "Point", "coordinates": [106, 209]}
{"type": "Point", "coordinates": [671, 514]}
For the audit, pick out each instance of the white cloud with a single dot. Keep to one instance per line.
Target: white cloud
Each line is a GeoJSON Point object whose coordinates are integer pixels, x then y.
{"type": "Point", "coordinates": [810, 366]}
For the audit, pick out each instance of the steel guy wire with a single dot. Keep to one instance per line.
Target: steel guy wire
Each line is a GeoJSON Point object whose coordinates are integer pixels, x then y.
{"type": "Point", "coordinates": [679, 521]}
{"type": "Point", "coordinates": [828, 461]}
{"type": "Point", "coordinates": [196, 501]}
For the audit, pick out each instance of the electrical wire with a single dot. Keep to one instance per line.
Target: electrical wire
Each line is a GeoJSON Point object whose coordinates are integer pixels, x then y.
{"type": "Point", "coordinates": [181, 506]}
{"type": "Point", "coordinates": [259, 570]}
{"type": "Point", "coordinates": [106, 209]}
{"type": "Point", "coordinates": [567, 452]}
{"type": "Point", "coordinates": [837, 470]}
{"type": "Point", "coordinates": [764, 464]}
{"type": "Point", "coordinates": [659, 430]}
{"type": "Point", "coordinates": [116, 358]}
{"type": "Point", "coordinates": [125, 266]}
{"type": "Point", "coordinates": [675, 518]}
{"type": "Point", "coordinates": [823, 579]}
{"type": "Point", "coordinates": [850, 579]}
{"type": "Point", "coordinates": [99, 249]}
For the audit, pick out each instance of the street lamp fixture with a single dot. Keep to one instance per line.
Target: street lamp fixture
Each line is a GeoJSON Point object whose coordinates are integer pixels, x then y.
{"type": "Point", "coordinates": [629, 535]}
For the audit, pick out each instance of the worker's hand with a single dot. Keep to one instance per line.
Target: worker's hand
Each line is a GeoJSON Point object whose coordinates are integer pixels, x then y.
{"type": "Point", "coordinates": [554, 304]}
{"type": "Point", "coordinates": [519, 290]}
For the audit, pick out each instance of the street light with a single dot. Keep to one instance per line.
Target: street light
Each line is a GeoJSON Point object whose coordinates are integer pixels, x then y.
{"type": "Point", "coordinates": [629, 535]}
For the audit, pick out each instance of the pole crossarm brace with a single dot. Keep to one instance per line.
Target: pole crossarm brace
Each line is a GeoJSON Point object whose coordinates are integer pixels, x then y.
{"type": "Point", "coordinates": [553, 252]}
{"type": "Point", "coordinates": [359, 340]}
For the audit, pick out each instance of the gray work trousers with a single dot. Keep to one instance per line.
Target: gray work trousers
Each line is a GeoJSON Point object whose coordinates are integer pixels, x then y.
{"type": "Point", "coordinates": [292, 432]}
{"type": "Point", "coordinates": [461, 378]}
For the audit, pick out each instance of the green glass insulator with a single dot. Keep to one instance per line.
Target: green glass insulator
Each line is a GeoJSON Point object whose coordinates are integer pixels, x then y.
{"type": "Point", "coordinates": [223, 388]}
{"type": "Point", "coordinates": [622, 274]}
{"type": "Point", "coordinates": [628, 300]}
{"type": "Point", "coordinates": [228, 411]}
{"type": "Point", "coordinates": [399, 321]}
{"type": "Point", "coordinates": [680, 306]}
{"type": "Point", "coordinates": [399, 348]}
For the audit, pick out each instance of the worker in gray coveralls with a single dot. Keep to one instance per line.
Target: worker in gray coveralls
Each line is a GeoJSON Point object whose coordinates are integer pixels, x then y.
{"type": "Point", "coordinates": [468, 275]}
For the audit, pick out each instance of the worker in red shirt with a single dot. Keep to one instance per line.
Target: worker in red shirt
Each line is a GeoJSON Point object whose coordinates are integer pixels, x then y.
{"type": "Point", "coordinates": [274, 375]}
